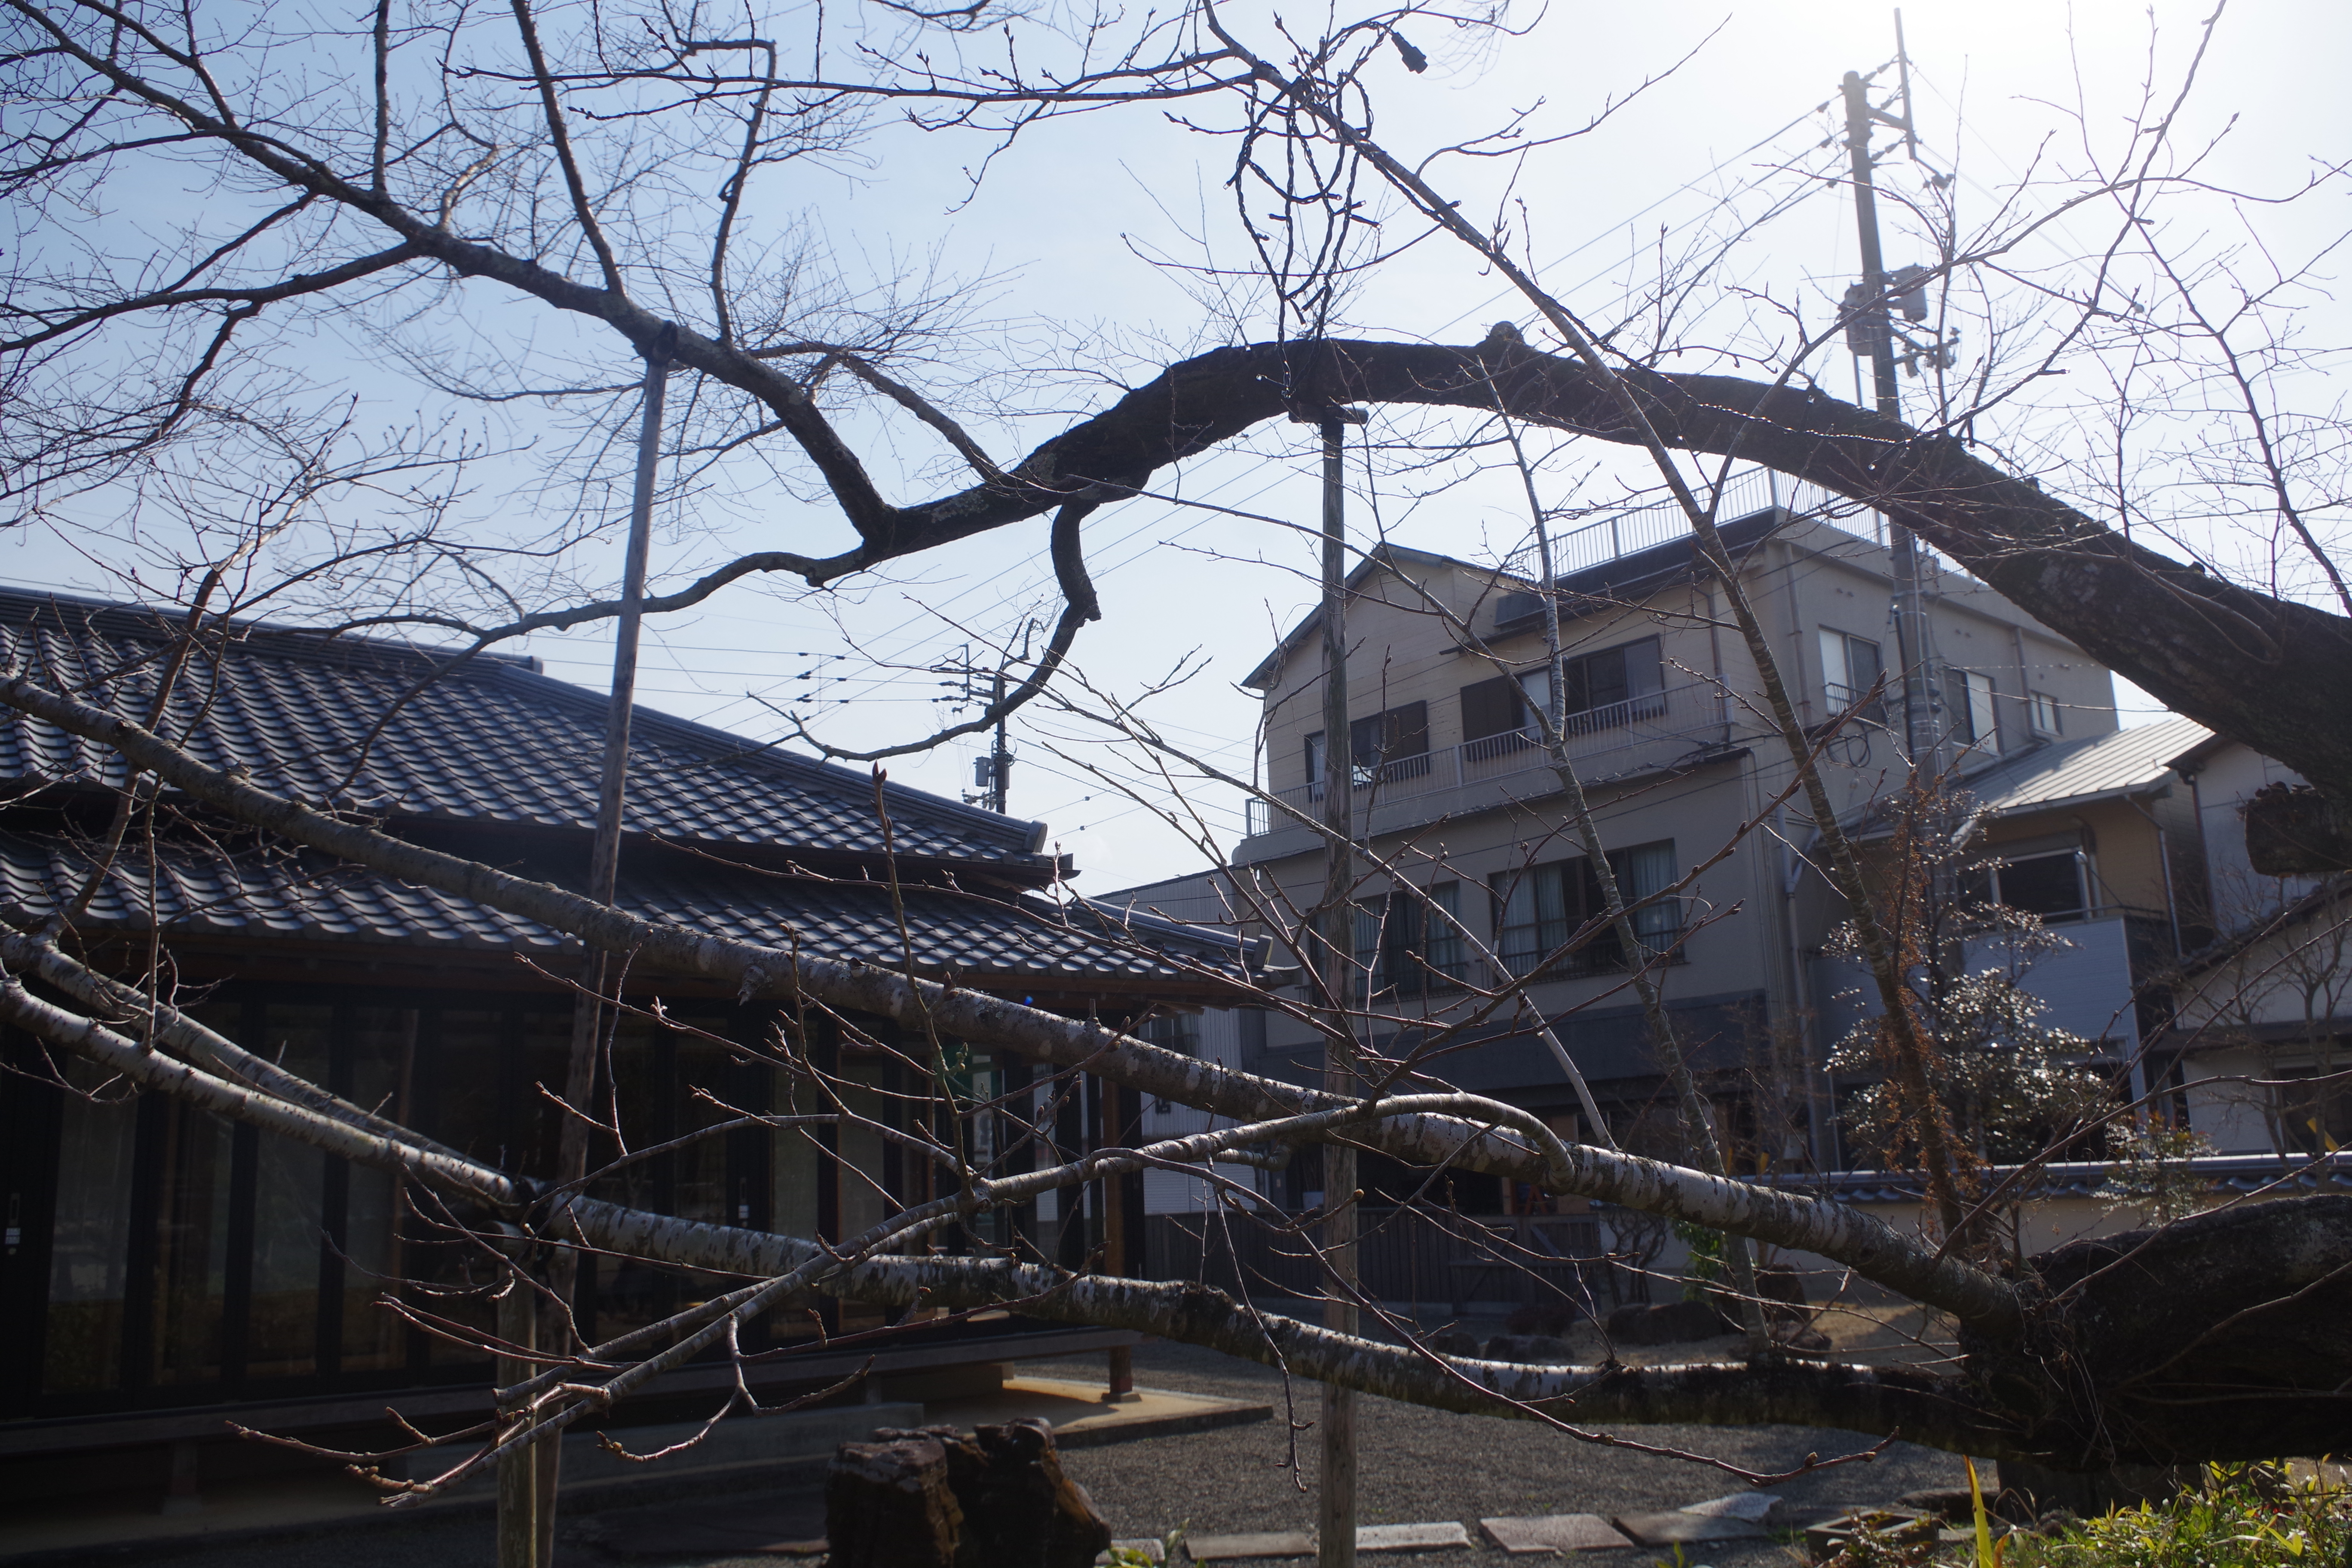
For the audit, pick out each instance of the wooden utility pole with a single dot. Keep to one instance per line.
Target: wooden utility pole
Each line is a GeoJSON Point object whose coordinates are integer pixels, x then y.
{"type": "Point", "coordinates": [1335, 1503]}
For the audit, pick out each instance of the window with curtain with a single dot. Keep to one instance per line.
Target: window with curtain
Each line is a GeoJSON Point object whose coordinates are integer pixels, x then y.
{"type": "Point", "coordinates": [1538, 907]}
{"type": "Point", "coordinates": [1409, 944]}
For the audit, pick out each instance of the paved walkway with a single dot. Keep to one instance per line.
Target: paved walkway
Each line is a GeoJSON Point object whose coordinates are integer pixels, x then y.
{"type": "Point", "coordinates": [292, 1520]}
{"type": "Point", "coordinates": [1418, 1466]}
{"type": "Point", "coordinates": [1427, 1466]}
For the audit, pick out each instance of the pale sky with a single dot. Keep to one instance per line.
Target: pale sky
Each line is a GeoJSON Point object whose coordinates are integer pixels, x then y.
{"type": "Point", "coordinates": [1067, 224]}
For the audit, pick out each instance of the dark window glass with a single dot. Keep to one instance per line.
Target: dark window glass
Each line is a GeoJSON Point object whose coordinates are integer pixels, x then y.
{"type": "Point", "coordinates": [1611, 686]}
{"type": "Point", "coordinates": [1408, 949]}
{"type": "Point", "coordinates": [2050, 886]}
{"type": "Point", "coordinates": [88, 1258]}
{"type": "Point", "coordinates": [1492, 708]}
{"type": "Point", "coordinates": [1388, 736]}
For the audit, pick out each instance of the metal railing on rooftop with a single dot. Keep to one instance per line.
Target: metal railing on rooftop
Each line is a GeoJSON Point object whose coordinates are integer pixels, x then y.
{"type": "Point", "coordinates": [1627, 530]}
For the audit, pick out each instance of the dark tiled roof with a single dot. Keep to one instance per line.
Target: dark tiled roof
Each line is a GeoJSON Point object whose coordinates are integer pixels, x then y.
{"type": "Point", "coordinates": [493, 742]}
{"type": "Point", "coordinates": [202, 892]}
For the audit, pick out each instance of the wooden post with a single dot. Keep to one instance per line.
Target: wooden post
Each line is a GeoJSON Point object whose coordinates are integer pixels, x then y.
{"type": "Point", "coordinates": [1336, 1498]}
{"type": "Point", "coordinates": [520, 1472]}
{"type": "Point", "coordinates": [1119, 1247]}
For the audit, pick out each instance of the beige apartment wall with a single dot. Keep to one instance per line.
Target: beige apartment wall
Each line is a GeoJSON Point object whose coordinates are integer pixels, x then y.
{"type": "Point", "coordinates": [1739, 946]}
{"type": "Point", "coordinates": [1803, 580]}
{"type": "Point", "coordinates": [1402, 650]}
{"type": "Point", "coordinates": [2127, 872]}
{"type": "Point", "coordinates": [1807, 579]}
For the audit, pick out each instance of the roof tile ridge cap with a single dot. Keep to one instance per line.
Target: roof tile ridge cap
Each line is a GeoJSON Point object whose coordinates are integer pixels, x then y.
{"type": "Point", "coordinates": [147, 621]}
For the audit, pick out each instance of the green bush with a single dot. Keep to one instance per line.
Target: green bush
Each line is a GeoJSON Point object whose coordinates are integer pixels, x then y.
{"type": "Point", "coordinates": [2240, 1517]}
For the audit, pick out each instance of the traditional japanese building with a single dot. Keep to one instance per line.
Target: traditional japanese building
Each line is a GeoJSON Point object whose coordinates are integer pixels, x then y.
{"type": "Point", "coordinates": [165, 1271]}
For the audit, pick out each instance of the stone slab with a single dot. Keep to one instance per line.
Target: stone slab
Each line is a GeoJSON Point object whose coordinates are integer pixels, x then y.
{"type": "Point", "coordinates": [1257, 1543]}
{"type": "Point", "coordinates": [1555, 1533]}
{"type": "Point", "coordinates": [1686, 1529]}
{"type": "Point", "coordinates": [1429, 1537]}
{"type": "Point", "coordinates": [1753, 1507]}
{"type": "Point", "coordinates": [1435, 1536]}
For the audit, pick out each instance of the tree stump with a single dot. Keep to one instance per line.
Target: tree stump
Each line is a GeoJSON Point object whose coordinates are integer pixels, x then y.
{"type": "Point", "coordinates": [1017, 1506]}
{"type": "Point", "coordinates": [890, 1504]}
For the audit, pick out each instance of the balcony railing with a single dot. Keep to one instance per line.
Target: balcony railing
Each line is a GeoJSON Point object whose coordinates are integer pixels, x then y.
{"type": "Point", "coordinates": [1645, 731]}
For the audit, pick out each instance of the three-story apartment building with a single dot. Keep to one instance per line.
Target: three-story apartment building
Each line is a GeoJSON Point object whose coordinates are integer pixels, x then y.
{"type": "Point", "coordinates": [1470, 879]}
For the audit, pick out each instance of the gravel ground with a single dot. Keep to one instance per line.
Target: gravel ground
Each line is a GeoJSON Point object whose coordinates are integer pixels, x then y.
{"type": "Point", "coordinates": [1423, 1465]}
{"type": "Point", "coordinates": [1416, 1465]}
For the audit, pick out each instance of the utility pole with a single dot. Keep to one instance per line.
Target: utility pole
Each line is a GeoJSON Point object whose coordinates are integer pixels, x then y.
{"type": "Point", "coordinates": [992, 775]}
{"type": "Point", "coordinates": [1336, 1497]}
{"type": "Point", "coordinates": [588, 1008]}
{"type": "Point", "coordinates": [999, 753]}
{"type": "Point", "coordinates": [1873, 334]}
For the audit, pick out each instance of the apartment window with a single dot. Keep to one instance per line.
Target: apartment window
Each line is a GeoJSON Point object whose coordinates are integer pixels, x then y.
{"type": "Point", "coordinates": [2051, 885]}
{"type": "Point", "coordinates": [1850, 668]}
{"type": "Point", "coordinates": [2044, 710]}
{"type": "Point", "coordinates": [1494, 709]}
{"type": "Point", "coordinates": [1604, 689]}
{"type": "Point", "coordinates": [1391, 744]}
{"type": "Point", "coordinates": [1538, 907]}
{"type": "Point", "coordinates": [1968, 698]}
{"type": "Point", "coordinates": [1408, 948]}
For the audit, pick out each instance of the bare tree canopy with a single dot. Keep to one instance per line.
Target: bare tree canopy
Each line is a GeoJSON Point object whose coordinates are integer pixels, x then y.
{"type": "Point", "coordinates": [423, 179]}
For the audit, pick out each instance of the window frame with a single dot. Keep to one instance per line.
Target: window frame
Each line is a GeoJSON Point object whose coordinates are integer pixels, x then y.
{"type": "Point", "coordinates": [2085, 907]}
{"type": "Point", "coordinates": [1842, 679]}
{"type": "Point", "coordinates": [1642, 871]}
{"type": "Point", "coordinates": [1395, 950]}
{"type": "Point", "coordinates": [1978, 701]}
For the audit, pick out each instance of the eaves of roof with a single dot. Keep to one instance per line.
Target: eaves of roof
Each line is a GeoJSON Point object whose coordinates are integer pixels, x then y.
{"type": "Point", "coordinates": [197, 892]}
{"type": "Point", "coordinates": [2066, 776]}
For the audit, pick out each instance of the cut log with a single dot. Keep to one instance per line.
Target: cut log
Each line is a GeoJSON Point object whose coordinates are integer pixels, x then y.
{"type": "Point", "coordinates": [1018, 1508]}
{"type": "Point", "coordinates": [889, 1505]}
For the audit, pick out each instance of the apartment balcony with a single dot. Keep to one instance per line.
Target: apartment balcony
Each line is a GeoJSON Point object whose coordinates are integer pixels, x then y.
{"type": "Point", "coordinates": [1676, 727]}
